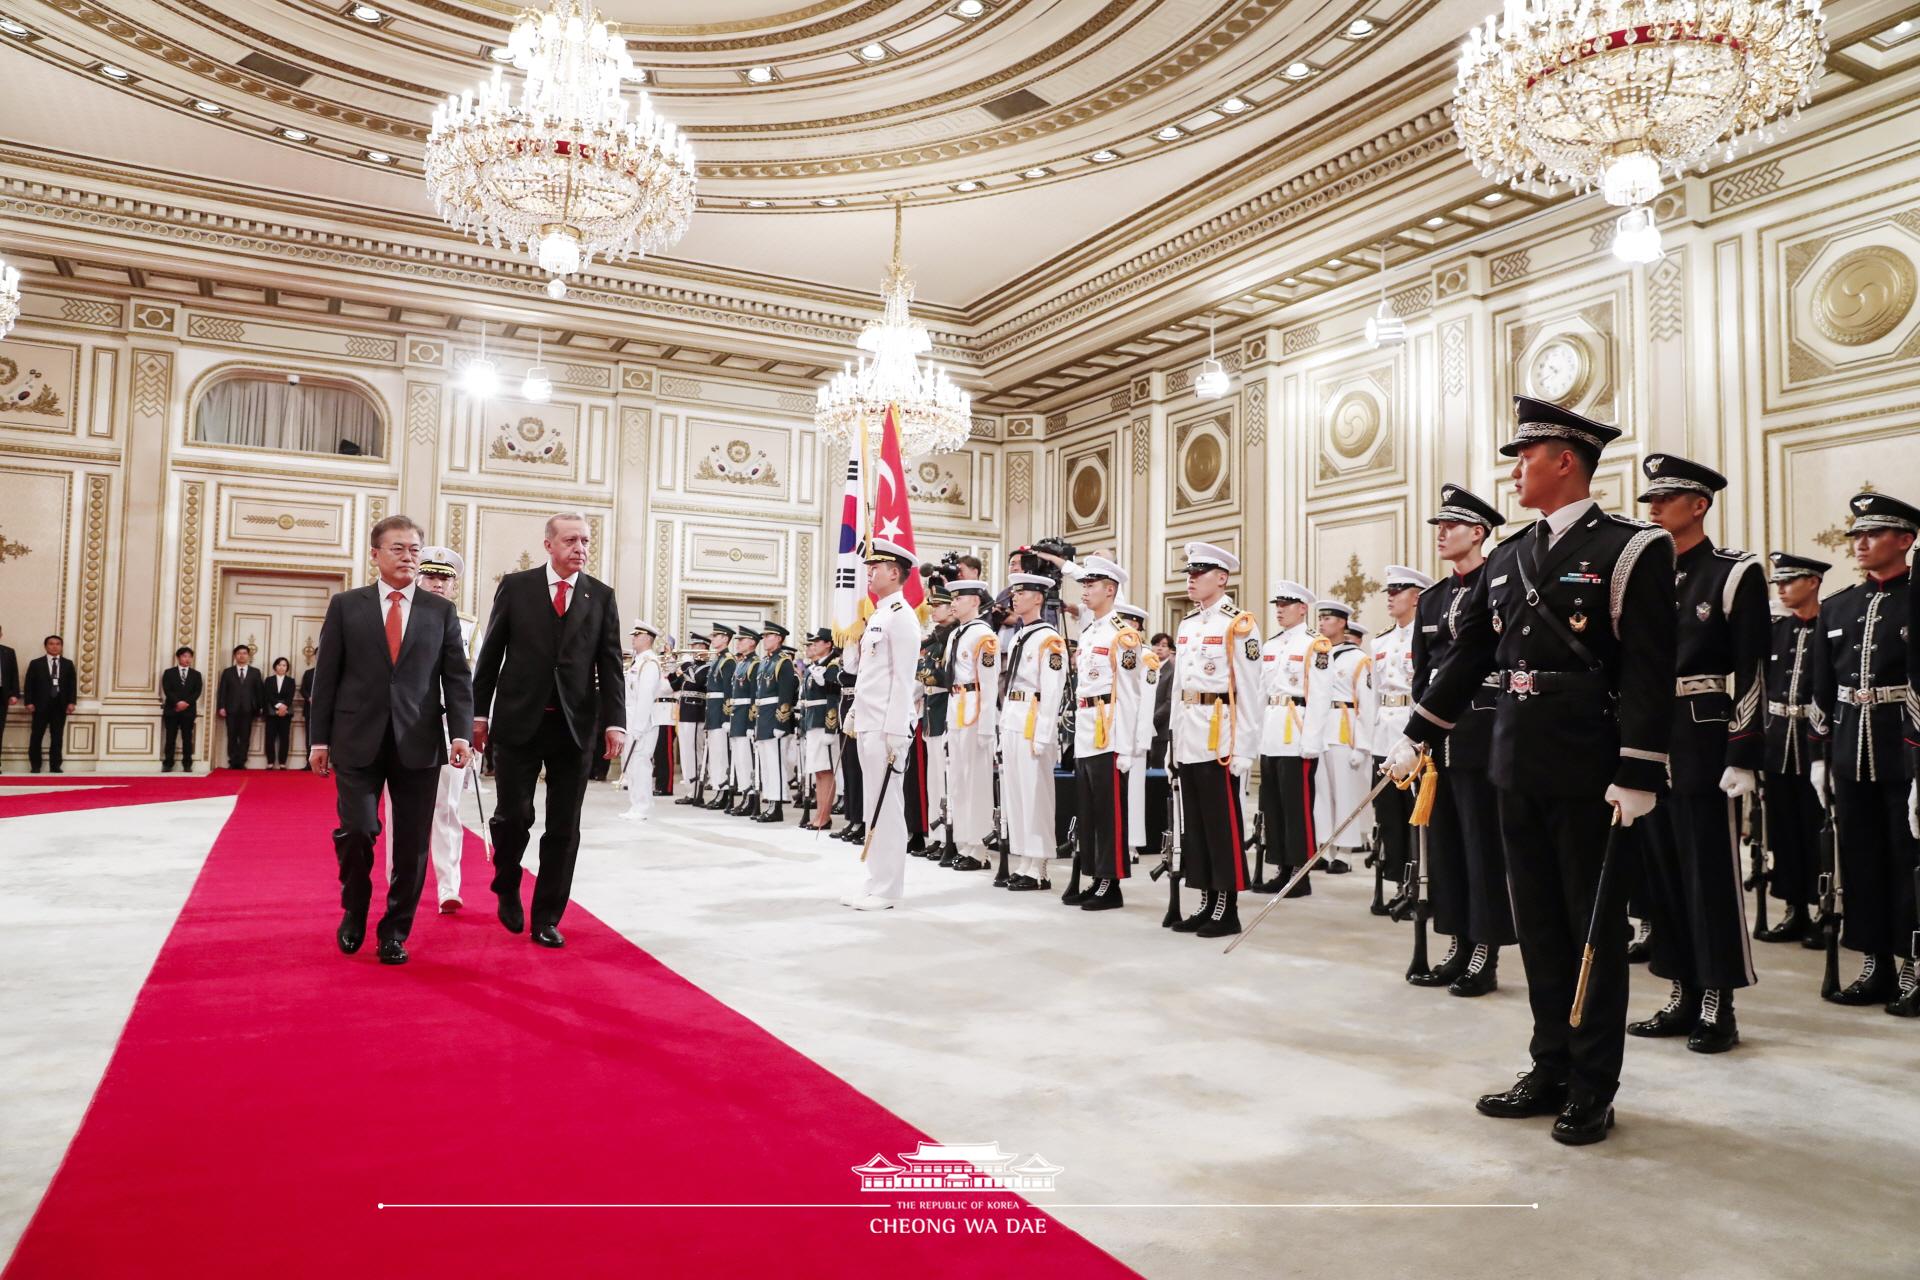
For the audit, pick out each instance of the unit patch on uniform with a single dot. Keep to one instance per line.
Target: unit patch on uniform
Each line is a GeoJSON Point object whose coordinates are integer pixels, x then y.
{"type": "Point", "coordinates": [1055, 661]}
{"type": "Point", "coordinates": [1130, 659]}
{"type": "Point", "coordinates": [1703, 610]}
{"type": "Point", "coordinates": [1253, 648]}
{"type": "Point", "coordinates": [986, 659]}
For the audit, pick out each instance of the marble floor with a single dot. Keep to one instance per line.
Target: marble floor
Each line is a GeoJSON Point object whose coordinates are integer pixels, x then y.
{"type": "Point", "coordinates": [1294, 1109]}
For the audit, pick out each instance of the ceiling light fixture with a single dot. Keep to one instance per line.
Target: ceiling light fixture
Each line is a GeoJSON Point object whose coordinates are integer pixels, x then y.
{"type": "Point", "coordinates": [378, 157]}
{"type": "Point", "coordinates": [296, 135]}
{"type": "Point", "coordinates": [967, 185]}
{"type": "Point", "coordinates": [1384, 329]}
{"type": "Point", "coordinates": [1359, 29]}
{"type": "Point", "coordinates": [112, 72]}
{"type": "Point", "coordinates": [568, 167]}
{"type": "Point", "coordinates": [1902, 28]}
{"type": "Point", "coordinates": [1036, 172]}
{"type": "Point", "coordinates": [537, 386]}
{"type": "Point", "coordinates": [828, 202]}
{"type": "Point", "coordinates": [1235, 105]}
{"type": "Point", "coordinates": [873, 52]}
{"type": "Point", "coordinates": [970, 8]}
{"type": "Point", "coordinates": [208, 108]}
{"type": "Point", "coordinates": [934, 415]}
{"type": "Point", "coordinates": [1103, 155]}
{"type": "Point", "coordinates": [13, 27]}
{"type": "Point", "coordinates": [1212, 381]}
{"type": "Point", "coordinates": [1171, 133]}
{"type": "Point", "coordinates": [1297, 71]}
{"type": "Point", "coordinates": [1636, 237]}
{"type": "Point", "coordinates": [1436, 222]}
{"type": "Point", "coordinates": [1493, 197]}
{"type": "Point", "coordinates": [481, 377]}
{"type": "Point", "coordinates": [1335, 262]}
{"type": "Point", "coordinates": [1290, 280]}
{"type": "Point", "coordinates": [500, 53]}
{"type": "Point", "coordinates": [760, 75]}
{"type": "Point", "coordinates": [367, 13]}
{"type": "Point", "coordinates": [758, 204]}
{"type": "Point", "coordinates": [9, 296]}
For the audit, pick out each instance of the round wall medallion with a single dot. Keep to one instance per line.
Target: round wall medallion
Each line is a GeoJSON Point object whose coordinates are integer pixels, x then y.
{"type": "Point", "coordinates": [1864, 295]}
{"type": "Point", "coordinates": [1354, 424]}
{"type": "Point", "coordinates": [1201, 467]}
{"type": "Point", "coordinates": [1087, 493]}
{"type": "Point", "coordinates": [1560, 371]}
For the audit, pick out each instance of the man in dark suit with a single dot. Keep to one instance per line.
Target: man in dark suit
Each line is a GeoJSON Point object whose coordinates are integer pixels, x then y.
{"type": "Point", "coordinates": [548, 674]}
{"type": "Point", "coordinates": [238, 702]}
{"type": "Point", "coordinates": [180, 687]}
{"type": "Point", "coordinates": [391, 664]}
{"type": "Point", "coordinates": [51, 682]}
{"type": "Point", "coordinates": [306, 698]}
{"type": "Point", "coordinates": [9, 687]}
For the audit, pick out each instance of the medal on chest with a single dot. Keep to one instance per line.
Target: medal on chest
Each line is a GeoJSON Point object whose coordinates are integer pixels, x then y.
{"type": "Point", "coordinates": [1703, 611]}
{"type": "Point", "coordinates": [1498, 625]}
{"type": "Point", "coordinates": [1578, 622]}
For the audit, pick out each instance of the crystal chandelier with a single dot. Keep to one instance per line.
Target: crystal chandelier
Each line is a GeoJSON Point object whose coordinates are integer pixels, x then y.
{"type": "Point", "coordinates": [570, 170]}
{"type": "Point", "coordinates": [9, 297]}
{"type": "Point", "coordinates": [1622, 94]}
{"type": "Point", "coordinates": [934, 415]}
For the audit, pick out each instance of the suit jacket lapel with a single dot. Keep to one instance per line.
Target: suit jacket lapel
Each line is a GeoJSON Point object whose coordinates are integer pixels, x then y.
{"type": "Point", "coordinates": [414, 623]}
{"type": "Point", "coordinates": [576, 608]}
{"type": "Point", "coordinates": [1571, 541]}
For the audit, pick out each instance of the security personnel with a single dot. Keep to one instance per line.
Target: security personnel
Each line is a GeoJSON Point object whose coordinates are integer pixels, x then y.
{"type": "Point", "coordinates": [1033, 684]}
{"type": "Point", "coordinates": [1793, 808]}
{"type": "Point", "coordinates": [926, 764]}
{"type": "Point", "coordinates": [776, 700]}
{"type": "Point", "coordinates": [970, 663]}
{"type": "Point", "coordinates": [1106, 727]}
{"type": "Point", "coordinates": [1392, 653]}
{"type": "Point", "coordinates": [819, 709]}
{"type": "Point", "coordinates": [1293, 685]}
{"type": "Point", "coordinates": [1690, 874]}
{"type": "Point", "coordinates": [1346, 752]}
{"type": "Point", "coordinates": [1138, 835]}
{"type": "Point", "coordinates": [852, 801]}
{"type": "Point", "coordinates": [1467, 883]}
{"type": "Point", "coordinates": [883, 715]}
{"type": "Point", "coordinates": [1576, 615]}
{"type": "Point", "coordinates": [1862, 686]}
{"type": "Point", "coordinates": [691, 731]}
{"type": "Point", "coordinates": [740, 755]}
{"type": "Point", "coordinates": [1216, 734]}
{"type": "Point", "coordinates": [719, 682]}
{"type": "Point", "coordinates": [646, 681]}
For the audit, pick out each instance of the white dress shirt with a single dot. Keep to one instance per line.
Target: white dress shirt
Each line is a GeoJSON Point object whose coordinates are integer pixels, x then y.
{"type": "Point", "coordinates": [1558, 522]}
{"type": "Point", "coordinates": [572, 580]}
{"type": "Point", "coordinates": [405, 605]}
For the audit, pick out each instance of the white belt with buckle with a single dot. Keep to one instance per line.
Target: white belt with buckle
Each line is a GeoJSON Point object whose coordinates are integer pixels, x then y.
{"type": "Point", "coordinates": [765, 702]}
{"type": "Point", "coordinates": [1866, 697]}
{"type": "Point", "coordinates": [1787, 710]}
{"type": "Point", "coordinates": [1396, 699]}
{"type": "Point", "coordinates": [1689, 686]}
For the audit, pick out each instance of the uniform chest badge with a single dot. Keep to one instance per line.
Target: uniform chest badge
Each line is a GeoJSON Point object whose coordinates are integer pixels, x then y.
{"type": "Point", "coordinates": [1703, 611]}
{"type": "Point", "coordinates": [1320, 661]}
{"type": "Point", "coordinates": [1210, 667]}
{"type": "Point", "coordinates": [1130, 659]}
{"type": "Point", "coordinates": [1498, 626]}
{"type": "Point", "coordinates": [1578, 622]}
{"type": "Point", "coordinates": [1253, 648]}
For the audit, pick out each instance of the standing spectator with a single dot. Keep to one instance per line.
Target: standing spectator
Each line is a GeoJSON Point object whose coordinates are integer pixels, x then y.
{"type": "Point", "coordinates": [50, 692]}
{"type": "Point", "coordinates": [180, 687]}
{"type": "Point", "coordinates": [277, 702]}
{"type": "Point", "coordinates": [9, 686]}
{"type": "Point", "coordinates": [242, 692]}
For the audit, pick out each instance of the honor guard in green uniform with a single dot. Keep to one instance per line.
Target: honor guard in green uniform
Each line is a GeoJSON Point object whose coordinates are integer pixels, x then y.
{"type": "Point", "coordinates": [746, 669]}
{"type": "Point", "coordinates": [719, 695]}
{"type": "Point", "coordinates": [776, 691]}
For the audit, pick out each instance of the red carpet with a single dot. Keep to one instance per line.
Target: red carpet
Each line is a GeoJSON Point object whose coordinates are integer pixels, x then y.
{"type": "Point", "coordinates": [268, 1094]}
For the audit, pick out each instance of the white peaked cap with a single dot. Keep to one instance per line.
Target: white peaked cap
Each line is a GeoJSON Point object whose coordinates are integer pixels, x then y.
{"type": "Point", "coordinates": [1399, 575]}
{"type": "Point", "coordinates": [1204, 555]}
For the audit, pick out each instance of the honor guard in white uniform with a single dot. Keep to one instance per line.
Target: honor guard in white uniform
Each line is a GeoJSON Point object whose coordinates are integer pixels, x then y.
{"type": "Point", "coordinates": [746, 669]}
{"type": "Point", "coordinates": [1346, 753]}
{"type": "Point", "coordinates": [1035, 679]}
{"type": "Point", "coordinates": [690, 730]}
{"type": "Point", "coordinates": [1107, 683]}
{"type": "Point", "coordinates": [441, 569]}
{"type": "Point", "coordinates": [1294, 684]}
{"type": "Point", "coordinates": [646, 681]}
{"type": "Point", "coordinates": [1136, 771]}
{"type": "Point", "coordinates": [719, 697]}
{"type": "Point", "coordinates": [819, 713]}
{"type": "Point", "coordinates": [776, 695]}
{"type": "Point", "coordinates": [884, 708]}
{"type": "Point", "coordinates": [1393, 702]}
{"type": "Point", "coordinates": [971, 663]}
{"type": "Point", "coordinates": [1217, 714]}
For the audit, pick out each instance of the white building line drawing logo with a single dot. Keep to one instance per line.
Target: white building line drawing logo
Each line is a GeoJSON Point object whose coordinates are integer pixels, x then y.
{"type": "Point", "coordinates": [939, 1166]}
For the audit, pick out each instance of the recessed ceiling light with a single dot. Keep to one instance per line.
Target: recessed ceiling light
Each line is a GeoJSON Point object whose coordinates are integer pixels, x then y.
{"type": "Point", "coordinates": [1036, 172]}
{"type": "Point", "coordinates": [1171, 133]}
{"type": "Point", "coordinates": [828, 202]}
{"type": "Point", "coordinates": [367, 13]}
{"type": "Point", "coordinates": [13, 27]}
{"type": "Point", "coordinates": [873, 52]}
{"type": "Point", "coordinates": [1297, 71]}
{"type": "Point", "coordinates": [1235, 105]}
{"type": "Point", "coordinates": [296, 135]}
{"type": "Point", "coordinates": [760, 75]}
{"type": "Point", "coordinates": [1359, 29]}
{"type": "Point", "coordinates": [208, 108]}
{"type": "Point", "coordinates": [970, 8]}
{"type": "Point", "coordinates": [378, 157]}
{"type": "Point", "coordinates": [1103, 155]}
{"type": "Point", "coordinates": [1290, 280]}
{"type": "Point", "coordinates": [1903, 28]}
{"type": "Point", "coordinates": [112, 72]}
{"type": "Point", "coordinates": [500, 53]}
{"type": "Point", "coordinates": [758, 204]}
{"type": "Point", "coordinates": [1436, 222]}
{"type": "Point", "coordinates": [1335, 262]}
{"type": "Point", "coordinates": [1494, 198]}
{"type": "Point", "coordinates": [967, 185]}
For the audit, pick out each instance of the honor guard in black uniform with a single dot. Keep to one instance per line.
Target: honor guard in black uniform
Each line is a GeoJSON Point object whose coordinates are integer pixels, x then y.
{"type": "Point", "coordinates": [1691, 874]}
{"type": "Point", "coordinates": [926, 769]}
{"type": "Point", "coordinates": [1793, 807]}
{"type": "Point", "coordinates": [1574, 615]}
{"type": "Point", "coordinates": [1467, 882]}
{"type": "Point", "coordinates": [746, 670]}
{"type": "Point", "coordinates": [1862, 685]}
{"type": "Point", "coordinates": [719, 683]}
{"type": "Point", "coordinates": [776, 695]}
{"type": "Point", "coordinates": [853, 796]}
{"type": "Point", "coordinates": [691, 731]}
{"type": "Point", "coordinates": [819, 725]}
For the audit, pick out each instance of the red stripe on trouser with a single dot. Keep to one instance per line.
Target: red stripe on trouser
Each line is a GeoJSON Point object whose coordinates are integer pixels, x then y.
{"type": "Point", "coordinates": [920, 749]}
{"type": "Point", "coordinates": [1119, 826]}
{"type": "Point", "coordinates": [1233, 825]}
{"type": "Point", "coordinates": [1306, 799]}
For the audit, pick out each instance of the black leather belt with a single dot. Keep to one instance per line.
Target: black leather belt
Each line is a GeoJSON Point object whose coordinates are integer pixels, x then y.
{"type": "Point", "coordinates": [1528, 683]}
{"type": "Point", "coordinates": [1100, 701]}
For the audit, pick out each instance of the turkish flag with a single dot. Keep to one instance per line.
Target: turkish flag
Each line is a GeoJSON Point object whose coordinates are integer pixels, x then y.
{"type": "Point", "coordinates": [892, 518]}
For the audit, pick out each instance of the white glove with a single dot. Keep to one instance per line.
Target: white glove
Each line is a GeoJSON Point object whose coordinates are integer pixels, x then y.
{"type": "Point", "coordinates": [897, 744]}
{"type": "Point", "coordinates": [1739, 782]}
{"type": "Point", "coordinates": [1400, 759]}
{"type": "Point", "coordinates": [1123, 763]}
{"type": "Point", "coordinates": [1633, 805]}
{"type": "Point", "coordinates": [1913, 809]}
{"type": "Point", "coordinates": [1819, 779]}
{"type": "Point", "coordinates": [1242, 766]}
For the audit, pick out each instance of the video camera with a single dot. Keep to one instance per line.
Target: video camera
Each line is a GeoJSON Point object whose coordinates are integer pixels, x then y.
{"type": "Point", "coordinates": [1032, 559]}
{"type": "Point", "coordinates": [942, 573]}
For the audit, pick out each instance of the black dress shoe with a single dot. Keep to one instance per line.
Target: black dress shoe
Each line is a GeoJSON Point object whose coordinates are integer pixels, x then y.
{"type": "Point", "coordinates": [1224, 920]}
{"type": "Point", "coordinates": [917, 846]}
{"type": "Point", "coordinates": [1875, 985]}
{"type": "Point", "coordinates": [1337, 866]}
{"type": "Point", "coordinates": [1075, 895]}
{"type": "Point", "coordinates": [1447, 970]}
{"type": "Point", "coordinates": [1193, 922]}
{"type": "Point", "coordinates": [1273, 885]}
{"type": "Point", "coordinates": [855, 834]}
{"type": "Point", "coordinates": [1022, 884]}
{"type": "Point", "coordinates": [392, 951]}
{"type": "Point", "coordinates": [1678, 1018]}
{"type": "Point", "coordinates": [967, 862]}
{"type": "Point", "coordinates": [548, 936]}
{"type": "Point", "coordinates": [1482, 973]}
{"type": "Point", "coordinates": [1716, 1031]}
{"type": "Point", "coordinates": [1792, 927]}
{"type": "Point", "coordinates": [1583, 1123]}
{"type": "Point", "coordinates": [512, 914]}
{"type": "Point", "coordinates": [1302, 890]}
{"type": "Point", "coordinates": [1906, 1005]}
{"type": "Point", "coordinates": [1105, 897]}
{"type": "Point", "coordinates": [1535, 1094]}
{"type": "Point", "coordinates": [948, 858]}
{"type": "Point", "coordinates": [352, 932]}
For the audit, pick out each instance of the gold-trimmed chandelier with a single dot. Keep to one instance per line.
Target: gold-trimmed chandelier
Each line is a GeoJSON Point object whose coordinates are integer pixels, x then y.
{"type": "Point", "coordinates": [933, 414]}
{"type": "Point", "coordinates": [571, 169]}
{"type": "Point", "coordinates": [1622, 94]}
{"type": "Point", "coordinates": [9, 296]}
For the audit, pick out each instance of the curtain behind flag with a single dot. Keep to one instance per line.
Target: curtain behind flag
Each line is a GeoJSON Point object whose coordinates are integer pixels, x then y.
{"type": "Point", "coordinates": [892, 519]}
{"type": "Point", "coordinates": [850, 569]}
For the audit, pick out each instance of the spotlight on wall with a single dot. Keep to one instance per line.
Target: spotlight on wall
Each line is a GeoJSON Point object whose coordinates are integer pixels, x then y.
{"type": "Point", "coordinates": [1636, 237]}
{"type": "Point", "coordinates": [1384, 329]}
{"type": "Point", "coordinates": [537, 386]}
{"type": "Point", "coordinates": [1212, 382]}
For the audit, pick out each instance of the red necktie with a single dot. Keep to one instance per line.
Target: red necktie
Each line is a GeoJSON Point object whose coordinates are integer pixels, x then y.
{"type": "Point", "coordinates": [560, 597]}
{"type": "Point", "coordinates": [393, 625]}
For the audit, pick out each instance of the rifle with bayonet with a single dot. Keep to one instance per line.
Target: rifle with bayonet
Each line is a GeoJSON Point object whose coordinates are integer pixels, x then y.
{"type": "Point", "coordinates": [1832, 896]}
{"type": "Point", "coordinates": [1758, 877]}
{"type": "Point", "coordinates": [1170, 850]}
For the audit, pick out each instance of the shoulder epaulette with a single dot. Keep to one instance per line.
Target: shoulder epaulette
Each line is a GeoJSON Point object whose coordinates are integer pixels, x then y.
{"type": "Point", "coordinates": [899, 604]}
{"type": "Point", "coordinates": [1191, 613]}
{"type": "Point", "coordinates": [1241, 624]}
{"type": "Point", "coordinates": [1732, 553]}
{"type": "Point", "coordinates": [1629, 521]}
{"type": "Point", "coordinates": [1228, 610]}
{"type": "Point", "coordinates": [1054, 643]}
{"type": "Point", "coordinates": [1517, 533]}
